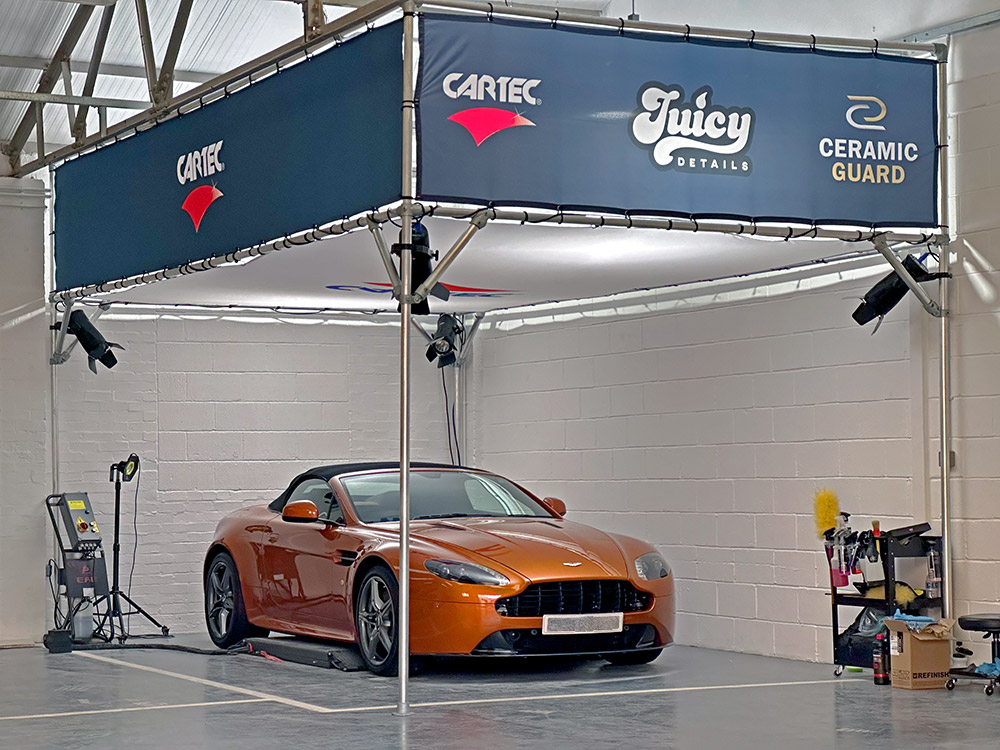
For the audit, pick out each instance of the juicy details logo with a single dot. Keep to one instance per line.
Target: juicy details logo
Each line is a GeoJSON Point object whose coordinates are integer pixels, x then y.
{"type": "Point", "coordinates": [695, 136]}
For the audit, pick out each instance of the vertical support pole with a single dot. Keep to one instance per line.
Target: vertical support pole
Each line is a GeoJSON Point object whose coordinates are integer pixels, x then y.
{"type": "Point", "coordinates": [948, 588]}
{"type": "Point", "coordinates": [55, 345]}
{"type": "Point", "coordinates": [406, 217]}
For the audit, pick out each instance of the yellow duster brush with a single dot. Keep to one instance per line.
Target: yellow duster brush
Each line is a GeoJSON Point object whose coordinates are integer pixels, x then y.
{"type": "Point", "coordinates": [826, 508]}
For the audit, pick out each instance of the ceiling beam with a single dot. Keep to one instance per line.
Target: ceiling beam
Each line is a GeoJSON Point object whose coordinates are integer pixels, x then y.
{"type": "Point", "coordinates": [48, 80]}
{"type": "Point", "coordinates": [79, 128]}
{"type": "Point", "coordinates": [165, 84]}
{"type": "Point", "coordinates": [106, 69]}
{"type": "Point", "coordinates": [70, 99]}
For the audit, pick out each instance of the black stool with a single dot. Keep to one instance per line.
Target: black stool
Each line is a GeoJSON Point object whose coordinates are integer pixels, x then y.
{"type": "Point", "coordinates": [983, 623]}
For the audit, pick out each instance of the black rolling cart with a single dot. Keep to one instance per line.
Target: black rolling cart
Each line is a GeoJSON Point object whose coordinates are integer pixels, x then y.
{"type": "Point", "coordinates": [851, 649]}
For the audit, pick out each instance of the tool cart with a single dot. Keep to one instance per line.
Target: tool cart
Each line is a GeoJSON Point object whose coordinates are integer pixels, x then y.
{"type": "Point", "coordinates": [852, 648]}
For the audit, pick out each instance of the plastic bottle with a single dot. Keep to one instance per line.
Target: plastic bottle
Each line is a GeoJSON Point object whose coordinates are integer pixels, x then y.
{"type": "Point", "coordinates": [880, 660]}
{"type": "Point", "coordinates": [932, 589]}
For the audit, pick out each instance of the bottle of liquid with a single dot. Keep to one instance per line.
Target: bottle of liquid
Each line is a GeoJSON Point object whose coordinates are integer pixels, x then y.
{"type": "Point", "coordinates": [932, 589]}
{"type": "Point", "coordinates": [880, 660]}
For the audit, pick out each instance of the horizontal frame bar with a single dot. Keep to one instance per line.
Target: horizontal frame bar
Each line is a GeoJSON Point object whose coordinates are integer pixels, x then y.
{"type": "Point", "coordinates": [528, 216]}
{"type": "Point", "coordinates": [683, 30]}
{"type": "Point", "coordinates": [306, 237]}
{"type": "Point", "coordinates": [779, 231]}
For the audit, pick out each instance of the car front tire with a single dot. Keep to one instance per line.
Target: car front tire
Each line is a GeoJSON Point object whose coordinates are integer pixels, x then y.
{"type": "Point", "coordinates": [376, 620]}
{"type": "Point", "coordinates": [225, 612]}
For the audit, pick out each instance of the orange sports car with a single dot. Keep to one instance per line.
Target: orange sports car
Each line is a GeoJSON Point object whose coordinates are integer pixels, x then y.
{"type": "Point", "coordinates": [494, 570]}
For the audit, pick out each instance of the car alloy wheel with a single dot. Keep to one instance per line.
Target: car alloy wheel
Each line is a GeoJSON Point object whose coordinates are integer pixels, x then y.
{"type": "Point", "coordinates": [225, 613]}
{"type": "Point", "coordinates": [376, 620]}
{"type": "Point", "coordinates": [220, 599]}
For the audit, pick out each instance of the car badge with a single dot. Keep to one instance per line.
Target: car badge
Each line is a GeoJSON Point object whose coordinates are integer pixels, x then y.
{"type": "Point", "coordinates": [573, 564]}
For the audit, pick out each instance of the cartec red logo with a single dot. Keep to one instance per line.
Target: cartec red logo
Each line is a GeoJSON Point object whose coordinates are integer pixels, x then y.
{"type": "Point", "coordinates": [484, 122]}
{"type": "Point", "coordinates": [194, 165]}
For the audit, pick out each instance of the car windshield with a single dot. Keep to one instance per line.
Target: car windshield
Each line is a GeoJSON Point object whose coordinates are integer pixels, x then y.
{"type": "Point", "coordinates": [439, 494]}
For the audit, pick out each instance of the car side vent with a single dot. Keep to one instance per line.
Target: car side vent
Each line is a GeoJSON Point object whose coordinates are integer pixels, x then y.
{"type": "Point", "coordinates": [574, 598]}
{"type": "Point", "coordinates": [346, 557]}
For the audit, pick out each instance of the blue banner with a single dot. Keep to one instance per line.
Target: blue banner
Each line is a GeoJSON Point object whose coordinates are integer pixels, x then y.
{"type": "Point", "coordinates": [525, 114]}
{"type": "Point", "coordinates": [315, 143]}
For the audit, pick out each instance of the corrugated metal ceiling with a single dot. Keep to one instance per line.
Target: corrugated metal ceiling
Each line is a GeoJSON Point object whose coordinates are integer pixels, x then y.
{"type": "Point", "coordinates": [221, 34]}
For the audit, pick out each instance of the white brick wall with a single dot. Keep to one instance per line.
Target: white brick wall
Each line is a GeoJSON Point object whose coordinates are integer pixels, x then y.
{"type": "Point", "coordinates": [223, 414]}
{"type": "Point", "coordinates": [24, 412]}
{"type": "Point", "coordinates": [706, 430]}
{"type": "Point", "coordinates": [975, 161]}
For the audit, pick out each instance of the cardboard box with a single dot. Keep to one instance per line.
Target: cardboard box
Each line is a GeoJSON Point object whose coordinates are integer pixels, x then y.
{"type": "Point", "coordinates": [919, 661]}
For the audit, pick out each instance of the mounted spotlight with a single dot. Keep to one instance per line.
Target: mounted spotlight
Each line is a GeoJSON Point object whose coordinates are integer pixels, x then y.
{"type": "Point", "coordinates": [420, 265]}
{"type": "Point", "coordinates": [888, 292]}
{"type": "Point", "coordinates": [97, 347]}
{"type": "Point", "coordinates": [127, 468]}
{"type": "Point", "coordinates": [444, 343]}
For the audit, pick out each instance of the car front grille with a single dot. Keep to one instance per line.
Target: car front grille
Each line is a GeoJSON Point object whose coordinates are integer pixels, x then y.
{"type": "Point", "coordinates": [574, 598]}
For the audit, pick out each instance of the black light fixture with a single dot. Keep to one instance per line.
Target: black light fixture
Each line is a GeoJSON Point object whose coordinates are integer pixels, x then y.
{"type": "Point", "coordinates": [888, 292]}
{"type": "Point", "coordinates": [444, 343]}
{"type": "Point", "coordinates": [128, 467]}
{"type": "Point", "coordinates": [420, 265]}
{"type": "Point", "coordinates": [97, 347]}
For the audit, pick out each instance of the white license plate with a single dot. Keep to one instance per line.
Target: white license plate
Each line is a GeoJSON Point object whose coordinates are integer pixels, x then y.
{"type": "Point", "coordinates": [612, 622]}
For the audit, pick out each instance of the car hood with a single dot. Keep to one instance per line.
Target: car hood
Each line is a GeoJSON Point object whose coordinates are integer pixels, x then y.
{"type": "Point", "coordinates": [539, 549]}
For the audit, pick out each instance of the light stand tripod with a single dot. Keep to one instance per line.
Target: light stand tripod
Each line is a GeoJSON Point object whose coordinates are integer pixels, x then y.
{"type": "Point", "coordinates": [121, 471]}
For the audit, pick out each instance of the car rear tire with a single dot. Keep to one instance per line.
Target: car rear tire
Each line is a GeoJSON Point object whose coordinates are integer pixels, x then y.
{"type": "Point", "coordinates": [625, 658]}
{"type": "Point", "coordinates": [225, 613]}
{"type": "Point", "coordinates": [376, 619]}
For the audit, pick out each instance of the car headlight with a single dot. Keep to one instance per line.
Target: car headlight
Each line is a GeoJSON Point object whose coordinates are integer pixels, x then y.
{"type": "Point", "coordinates": [651, 566]}
{"type": "Point", "coordinates": [465, 572]}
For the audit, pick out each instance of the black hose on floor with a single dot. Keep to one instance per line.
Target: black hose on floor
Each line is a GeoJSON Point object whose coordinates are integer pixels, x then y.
{"type": "Point", "coordinates": [160, 646]}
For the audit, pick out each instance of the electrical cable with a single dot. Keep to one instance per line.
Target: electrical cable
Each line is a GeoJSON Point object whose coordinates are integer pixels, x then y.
{"type": "Point", "coordinates": [50, 569]}
{"type": "Point", "coordinates": [135, 544]}
{"type": "Point", "coordinates": [447, 419]}
{"type": "Point", "coordinates": [161, 646]}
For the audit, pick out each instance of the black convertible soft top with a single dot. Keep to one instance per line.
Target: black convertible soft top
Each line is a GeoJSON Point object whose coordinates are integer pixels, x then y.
{"type": "Point", "coordinates": [336, 470]}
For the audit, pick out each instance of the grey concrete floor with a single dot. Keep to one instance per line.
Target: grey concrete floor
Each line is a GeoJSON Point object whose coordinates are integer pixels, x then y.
{"type": "Point", "coordinates": [688, 698]}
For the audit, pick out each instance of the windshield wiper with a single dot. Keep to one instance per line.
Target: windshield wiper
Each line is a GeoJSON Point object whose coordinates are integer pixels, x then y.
{"type": "Point", "coordinates": [442, 515]}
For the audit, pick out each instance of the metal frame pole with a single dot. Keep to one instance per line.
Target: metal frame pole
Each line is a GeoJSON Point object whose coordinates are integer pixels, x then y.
{"type": "Point", "coordinates": [897, 265]}
{"type": "Point", "coordinates": [383, 250]}
{"type": "Point", "coordinates": [403, 643]}
{"type": "Point", "coordinates": [944, 285]}
{"type": "Point", "coordinates": [477, 223]}
{"type": "Point", "coordinates": [563, 16]}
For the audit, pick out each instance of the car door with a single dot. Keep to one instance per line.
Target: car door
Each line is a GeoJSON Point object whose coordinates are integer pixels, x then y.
{"type": "Point", "coordinates": [304, 577]}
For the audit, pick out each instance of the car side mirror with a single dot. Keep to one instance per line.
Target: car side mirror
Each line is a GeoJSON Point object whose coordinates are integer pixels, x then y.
{"type": "Point", "coordinates": [301, 511]}
{"type": "Point", "coordinates": [556, 505]}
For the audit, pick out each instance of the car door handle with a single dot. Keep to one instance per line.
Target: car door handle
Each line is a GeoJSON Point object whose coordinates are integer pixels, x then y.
{"type": "Point", "coordinates": [272, 539]}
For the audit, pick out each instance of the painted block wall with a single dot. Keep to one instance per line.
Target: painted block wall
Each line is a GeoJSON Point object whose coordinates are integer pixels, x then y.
{"type": "Point", "coordinates": [24, 412]}
{"type": "Point", "coordinates": [705, 427]}
{"type": "Point", "coordinates": [224, 413]}
{"type": "Point", "coordinates": [975, 160]}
